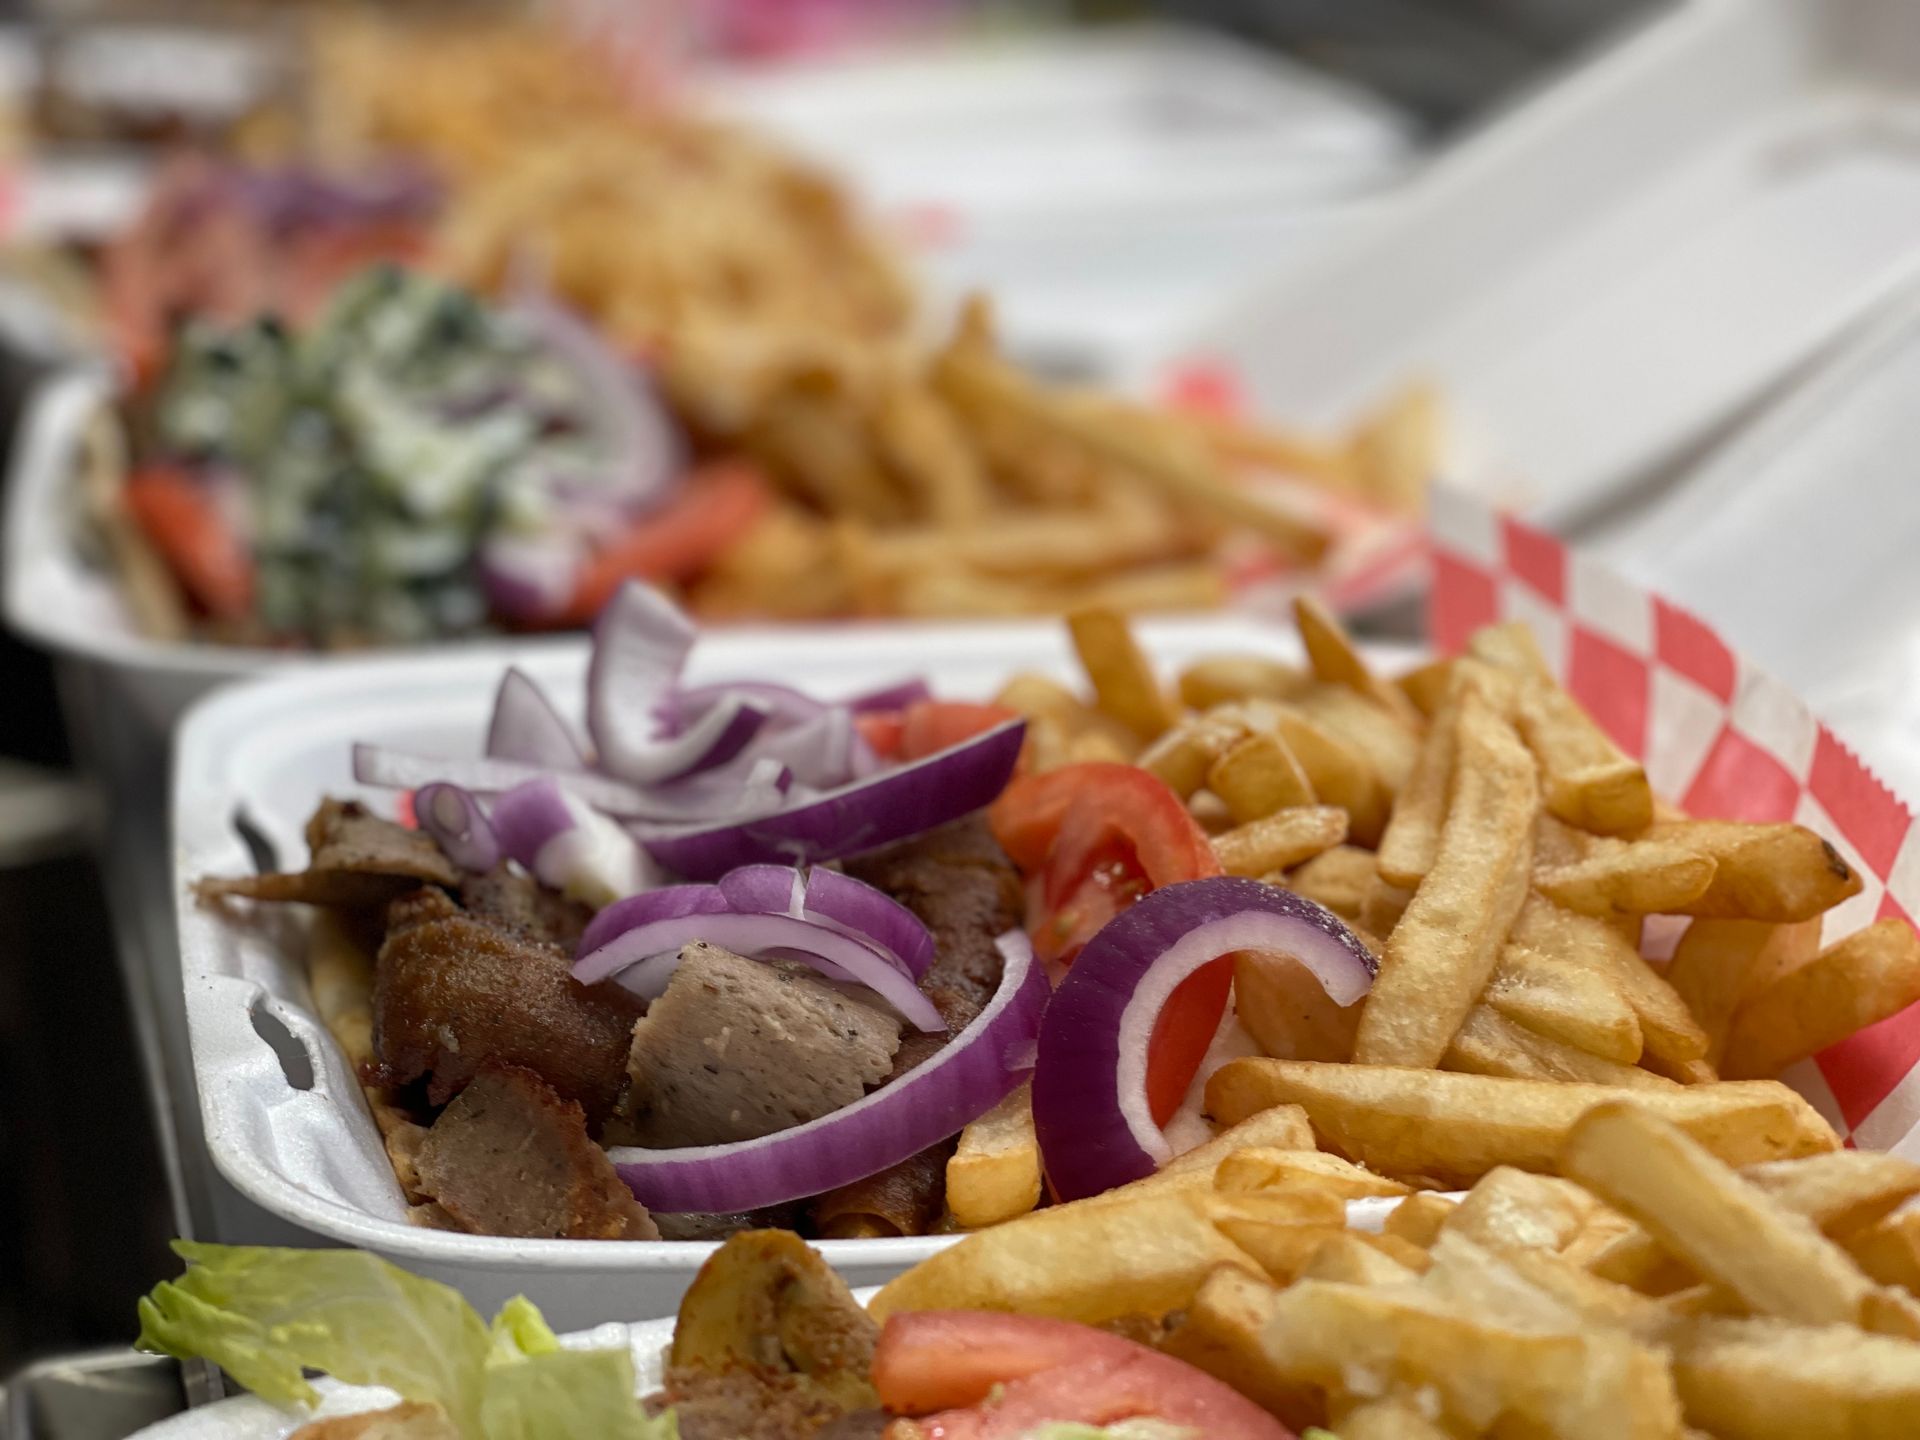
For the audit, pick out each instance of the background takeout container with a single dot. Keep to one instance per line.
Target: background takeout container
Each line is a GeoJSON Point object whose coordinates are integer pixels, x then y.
{"type": "Point", "coordinates": [286, 1127]}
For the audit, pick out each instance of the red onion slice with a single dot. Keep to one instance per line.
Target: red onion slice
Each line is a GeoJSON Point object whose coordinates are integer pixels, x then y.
{"type": "Point", "coordinates": [672, 902]}
{"type": "Point", "coordinates": [827, 897]}
{"type": "Point", "coordinates": [453, 817]}
{"type": "Point", "coordinates": [978, 1069]}
{"type": "Point", "coordinates": [568, 845]}
{"type": "Point", "coordinates": [756, 935]}
{"type": "Point", "coordinates": [891, 697]}
{"type": "Point", "coordinates": [783, 702]}
{"type": "Point", "coordinates": [1090, 1108]}
{"type": "Point", "coordinates": [903, 801]}
{"type": "Point", "coordinates": [527, 727]}
{"type": "Point", "coordinates": [529, 578]}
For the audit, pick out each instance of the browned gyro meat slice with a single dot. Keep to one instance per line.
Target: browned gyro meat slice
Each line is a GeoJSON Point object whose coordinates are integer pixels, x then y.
{"type": "Point", "coordinates": [452, 992]}
{"type": "Point", "coordinates": [358, 859]}
{"type": "Point", "coordinates": [514, 900]}
{"type": "Point", "coordinates": [964, 889]}
{"type": "Point", "coordinates": [510, 1157]}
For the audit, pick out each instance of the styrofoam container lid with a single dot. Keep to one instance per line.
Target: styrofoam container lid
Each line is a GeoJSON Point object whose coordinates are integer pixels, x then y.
{"type": "Point", "coordinates": [275, 747]}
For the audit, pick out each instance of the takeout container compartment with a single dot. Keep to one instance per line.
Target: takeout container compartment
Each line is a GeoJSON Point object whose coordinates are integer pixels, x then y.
{"type": "Point", "coordinates": [1626, 261]}
{"type": "Point", "coordinates": [311, 1157]}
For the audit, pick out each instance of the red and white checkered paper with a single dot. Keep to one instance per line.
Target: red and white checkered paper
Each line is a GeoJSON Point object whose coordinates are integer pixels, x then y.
{"type": "Point", "coordinates": [1719, 736]}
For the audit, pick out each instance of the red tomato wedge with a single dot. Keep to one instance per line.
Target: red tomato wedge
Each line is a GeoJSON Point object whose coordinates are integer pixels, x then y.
{"type": "Point", "coordinates": [885, 732]}
{"type": "Point", "coordinates": [184, 524]}
{"type": "Point", "coordinates": [715, 508]}
{"type": "Point", "coordinates": [928, 726]}
{"type": "Point", "coordinates": [1093, 839]}
{"type": "Point", "coordinates": [982, 1376]}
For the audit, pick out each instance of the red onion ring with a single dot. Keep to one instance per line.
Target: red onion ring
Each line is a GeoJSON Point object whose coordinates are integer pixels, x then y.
{"type": "Point", "coordinates": [526, 726]}
{"type": "Point", "coordinates": [453, 817]}
{"type": "Point", "coordinates": [978, 1069]}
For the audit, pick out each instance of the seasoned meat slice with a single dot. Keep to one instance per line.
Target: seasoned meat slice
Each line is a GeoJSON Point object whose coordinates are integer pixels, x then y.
{"type": "Point", "coordinates": [510, 1157]}
{"type": "Point", "coordinates": [358, 860]}
{"type": "Point", "coordinates": [698, 1225]}
{"type": "Point", "coordinates": [735, 1049]}
{"type": "Point", "coordinates": [743, 1405]}
{"type": "Point", "coordinates": [452, 992]}
{"type": "Point", "coordinates": [514, 900]}
{"type": "Point", "coordinates": [903, 1199]}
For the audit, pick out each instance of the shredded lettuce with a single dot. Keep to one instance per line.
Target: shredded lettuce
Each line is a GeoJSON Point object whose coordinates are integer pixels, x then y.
{"type": "Point", "coordinates": [266, 1316]}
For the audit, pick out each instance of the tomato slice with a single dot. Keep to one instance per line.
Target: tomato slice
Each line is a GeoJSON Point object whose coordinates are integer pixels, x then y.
{"type": "Point", "coordinates": [929, 726]}
{"type": "Point", "coordinates": [981, 1376]}
{"type": "Point", "coordinates": [883, 730]}
{"type": "Point", "coordinates": [183, 523]}
{"type": "Point", "coordinates": [1095, 838]}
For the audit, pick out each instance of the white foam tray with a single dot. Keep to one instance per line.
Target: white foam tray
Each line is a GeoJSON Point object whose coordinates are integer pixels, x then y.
{"type": "Point", "coordinates": [1600, 278]}
{"type": "Point", "coordinates": [312, 1157]}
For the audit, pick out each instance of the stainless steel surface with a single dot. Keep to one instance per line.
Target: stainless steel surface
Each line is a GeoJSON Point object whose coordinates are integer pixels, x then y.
{"type": "Point", "coordinates": [96, 1395]}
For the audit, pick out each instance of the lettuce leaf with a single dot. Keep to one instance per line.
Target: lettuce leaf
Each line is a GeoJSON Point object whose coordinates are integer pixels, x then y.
{"type": "Point", "coordinates": [266, 1315]}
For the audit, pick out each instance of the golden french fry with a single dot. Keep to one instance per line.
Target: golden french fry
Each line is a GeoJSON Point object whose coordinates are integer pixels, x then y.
{"type": "Point", "coordinates": [1629, 877]}
{"type": "Point", "coordinates": [1440, 955]}
{"type": "Point", "coordinates": [1864, 978]}
{"type": "Point", "coordinates": [994, 1174]}
{"type": "Point", "coordinates": [1567, 1001]}
{"type": "Point", "coordinates": [1426, 685]}
{"type": "Point", "coordinates": [1287, 1010]}
{"type": "Point", "coordinates": [1412, 837]}
{"type": "Point", "coordinates": [1390, 743]}
{"type": "Point", "coordinates": [1889, 1250]}
{"type": "Point", "coordinates": [1227, 679]}
{"type": "Point", "coordinates": [1717, 962]}
{"type": "Point", "coordinates": [921, 439]}
{"type": "Point", "coordinates": [1183, 756]}
{"type": "Point", "coordinates": [1257, 775]}
{"type": "Point", "coordinates": [1381, 910]}
{"type": "Point", "coordinates": [1283, 1249]}
{"type": "Point", "coordinates": [1280, 840]}
{"type": "Point", "coordinates": [1340, 880]}
{"type": "Point", "coordinates": [1146, 1255]}
{"type": "Point", "coordinates": [1122, 679]}
{"type": "Point", "coordinates": [1489, 1043]}
{"type": "Point", "coordinates": [1722, 1226]}
{"type": "Point", "coordinates": [1764, 1380]}
{"type": "Point", "coordinates": [1277, 1127]}
{"type": "Point", "coordinates": [1840, 1192]}
{"type": "Point", "coordinates": [1418, 1219]}
{"type": "Point", "coordinates": [1779, 872]}
{"type": "Point", "coordinates": [1268, 1168]}
{"type": "Point", "coordinates": [1354, 1257]}
{"type": "Point", "coordinates": [1336, 660]}
{"type": "Point", "coordinates": [1596, 1301]}
{"type": "Point", "coordinates": [1387, 1418]}
{"type": "Point", "coordinates": [1449, 1128]}
{"type": "Point", "coordinates": [1337, 771]}
{"type": "Point", "coordinates": [1515, 1208]}
{"type": "Point", "coordinates": [1222, 1333]}
{"type": "Point", "coordinates": [1586, 779]}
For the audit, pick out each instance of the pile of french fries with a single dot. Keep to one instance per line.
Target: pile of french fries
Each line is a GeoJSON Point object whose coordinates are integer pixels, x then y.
{"type": "Point", "coordinates": [1687, 1262]}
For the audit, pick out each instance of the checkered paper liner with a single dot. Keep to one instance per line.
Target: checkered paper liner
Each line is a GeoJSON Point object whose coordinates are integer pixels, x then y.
{"type": "Point", "coordinates": [1719, 736]}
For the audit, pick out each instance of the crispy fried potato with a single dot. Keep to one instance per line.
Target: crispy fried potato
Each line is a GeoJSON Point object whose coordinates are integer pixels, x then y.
{"type": "Point", "coordinates": [1840, 1192]}
{"type": "Point", "coordinates": [1381, 910]}
{"type": "Point", "coordinates": [1866, 977]}
{"type": "Point", "coordinates": [1183, 756]}
{"type": "Point", "coordinates": [1765, 1380]}
{"type": "Point", "coordinates": [1227, 679]}
{"type": "Point", "coordinates": [1448, 1128]}
{"type": "Point", "coordinates": [1278, 1127]}
{"type": "Point", "coordinates": [1283, 1249]}
{"type": "Point", "coordinates": [1567, 1001]}
{"type": "Point", "coordinates": [1418, 1219]}
{"type": "Point", "coordinates": [1145, 1255]}
{"type": "Point", "coordinates": [1723, 1227]}
{"type": "Point", "coordinates": [1268, 1168]}
{"type": "Point", "coordinates": [1390, 742]}
{"type": "Point", "coordinates": [1221, 1333]}
{"type": "Point", "coordinates": [1391, 1417]}
{"type": "Point", "coordinates": [1639, 877]}
{"type": "Point", "coordinates": [1340, 880]}
{"type": "Point", "coordinates": [1440, 955]}
{"type": "Point", "coordinates": [1518, 1209]}
{"type": "Point", "coordinates": [1123, 680]}
{"type": "Point", "coordinates": [994, 1174]}
{"type": "Point", "coordinates": [1889, 1250]}
{"type": "Point", "coordinates": [1338, 772]}
{"type": "Point", "coordinates": [1336, 660]}
{"type": "Point", "coordinates": [1717, 962]}
{"type": "Point", "coordinates": [1489, 1043]}
{"type": "Point", "coordinates": [1353, 1257]}
{"type": "Point", "coordinates": [1426, 685]}
{"type": "Point", "coordinates": [1777, 872]}
{"type": "Point", "coordinates": [1281, 840]}
{"type": "Point", "coordinates": [1287, 1010]}
{"type": "Point", "coordinates": [1258, 775]}
{"type": "Point", "coordinates": [1596, 1301]}
{"type": "Point", "coordinates": [1412, 837]}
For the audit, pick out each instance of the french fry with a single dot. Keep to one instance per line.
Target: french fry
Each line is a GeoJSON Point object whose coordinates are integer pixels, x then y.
{"type": "Point", "coordinates": [1288, 1012]}
{"type": "Point", "coordinates": [1889, 1250]}
{"type": "Point", "coordinates": [1338, 773]}
{"type": "Point", "coordinates": [1764, 1380]}
{"type": "Point", "coordinates": [1717, 962]}
{"type": "Point", "coordinates": [1587, 780]}
{"type": "Point", "coordinates": [1389, 742]}
{"type": "Point", "coordinates": [1122, 679]}
{"type": "Point", "coordinates": [1281, 840]}
{"type": "Point", "coordinates": [1381, 910]}
{"type": "Point", "coordinates": [1183, 756]}
{"type": "Point", "coordinates": [1336, 660]}
{"type": "Point", "coordinates": [1227, 679]}
{"type": "Point", "coordinates": [1778, 872]}
{"type": "Point", "coordinates": [1412, 837]}
{"type": "Point", "coordinates": [1418, 1219]}
{"type": "Point", "coordinates": [1596, 1301]}
{"type": "Point", "coordinates": [1637, 877]}
{"type": "Point", "coordinates": [1268, 1168]}
{"type": "Point", "coordinates": [1277, 1127]}
{"type": "Point", "coordinates": [1840, 1192]}
{"type": "Point", "coordinates": [1388, 1418]}
{"type": "Point", "coordinates": [1448, 1128]}
{"type": "Point", "coordinates": [1282, 1249]}
{"type": "Point", "coordinates": [1221, 1333]}
{"type": "Point", "coordinates": [1515, 1208]}
{"type": "Point", "coordinates": [1440, 955]}
{"type": "Point", "coordinates": [1354, 1258]}
{"type": "Point", "coordinates": [1489, 1043]}
{"type": "Point", "coordinates": [994, 1174]}
{"type": "Point", "coordinates": [1340, 880]}
{"type": "Point", "coordinates": [1864, 978]}
{"type": "Point", "coordinates": [1257, 775]}
{"type": "Point", "coordinates": [1426, 685]}
{"type": "Point", "coordinates": [1723, 1227]}
{"type": "Point", "coordinates": [1147, 1255]}
{"type": "Point", "coordinates": [919, 436]}
{"type": "Point", "coordinates": [1567, 1001]}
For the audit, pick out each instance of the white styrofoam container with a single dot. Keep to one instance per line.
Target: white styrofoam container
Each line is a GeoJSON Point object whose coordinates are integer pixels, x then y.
{"type": "Point", "coordinates": [311, 1157]}
{"type": "Point", "coordinates": [1626, 260]}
